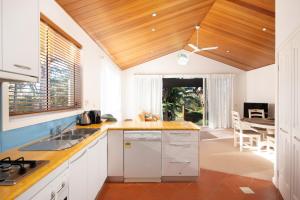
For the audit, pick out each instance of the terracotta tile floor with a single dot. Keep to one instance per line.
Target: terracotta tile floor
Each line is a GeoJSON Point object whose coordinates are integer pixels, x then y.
{"type": "Point", "coordinates": [211, 185]}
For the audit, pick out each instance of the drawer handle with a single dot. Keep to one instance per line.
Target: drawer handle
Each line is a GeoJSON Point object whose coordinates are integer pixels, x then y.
{"type": "Point", "coordinates": [22, 67]}
{"type": "Point", "coordinates": [297, 139]}
{"type": "Point", "coordinates": [180, 162]}
{"type": "Point", "coordinates": [282, 130]}
{"type": "Point", "coordinates": [180, 145]}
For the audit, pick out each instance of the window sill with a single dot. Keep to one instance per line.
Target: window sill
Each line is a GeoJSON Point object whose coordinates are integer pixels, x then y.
{"type": "Point", "coordinates": [32, 119]}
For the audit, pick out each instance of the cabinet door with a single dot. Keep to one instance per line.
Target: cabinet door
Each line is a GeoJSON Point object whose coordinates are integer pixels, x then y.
{"type": "Point", "coordinates": [78, 172]}
{"type": "Point", "coordinates": [47, 193]}
{"type": "Point", "coordinates": [115, 153]}
{"type": "Point", "coordinates": [295, 193]}
{"type": "Point", "coordinates": [295, 170]}
{"type": "Point", "coordinates": [94, 172]}
{"type": "Point", "coordinates": [103, 159]}
{"type": "Point", "coordinates": [20, 34]}
{"type": "Point", "coordinates": [285, 117]}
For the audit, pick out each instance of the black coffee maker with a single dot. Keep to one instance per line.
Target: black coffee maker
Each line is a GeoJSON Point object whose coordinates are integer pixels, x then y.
{"type": "Point", "coordinates": [95, 116]}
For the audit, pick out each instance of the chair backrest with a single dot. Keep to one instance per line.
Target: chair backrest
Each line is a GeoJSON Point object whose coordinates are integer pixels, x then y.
{"type": "Point", "coordinates": [236, 120]}
{"type": "Point", "coordinates": [256, 113]}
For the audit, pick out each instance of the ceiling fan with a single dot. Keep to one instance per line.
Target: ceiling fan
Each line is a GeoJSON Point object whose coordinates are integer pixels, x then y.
{"type": "Point", "coordinates": [197, 48]}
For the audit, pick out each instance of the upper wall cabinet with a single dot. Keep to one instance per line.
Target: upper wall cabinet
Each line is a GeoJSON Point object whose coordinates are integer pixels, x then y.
{"type": "Point", "coordinates": [20, 40]}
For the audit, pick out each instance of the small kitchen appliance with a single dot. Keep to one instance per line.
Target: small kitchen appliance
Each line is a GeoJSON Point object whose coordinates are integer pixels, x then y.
{"type": "Point", "coordinates": [84, 119]}
{"type": "Point", "coordinates": [95, 116]}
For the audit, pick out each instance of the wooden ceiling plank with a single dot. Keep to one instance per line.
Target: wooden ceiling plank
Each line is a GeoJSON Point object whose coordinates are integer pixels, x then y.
{"type": "Point", "coordinates": [254, 7]}
{"type": "Point", "coordinates": [123, 26]}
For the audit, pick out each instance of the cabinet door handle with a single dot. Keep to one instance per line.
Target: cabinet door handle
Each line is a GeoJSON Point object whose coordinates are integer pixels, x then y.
{"type": "Point", "coordinates": [52, 195]}
{"type": "Point", "coordinates": [297, 139]}
{"type": "Point", "coordinates": [180, 162]}
{"type": "Point", "coordinates": [62, 186]}
{"type": "Point", "coordinates": [180, 145]}
{"type": "Point", "coordinates": [94, 144]}
{"type": "Point", "coordinates": [282, 130]}
{"type": "Point", "coordinates": [79, 157]}
{"type": "Point", "coordinates": [22, 67]}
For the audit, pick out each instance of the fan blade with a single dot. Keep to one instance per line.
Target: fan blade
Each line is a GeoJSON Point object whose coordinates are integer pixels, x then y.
{"type": "Point", "coordinates": [193, 47]}
{"type": "Point", "coordinates": [208, 48]}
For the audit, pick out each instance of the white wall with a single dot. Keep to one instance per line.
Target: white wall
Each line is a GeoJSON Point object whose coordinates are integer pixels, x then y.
{"type": "Point", "coordinates": [91, 56]}
{"type": "Point", "coordinates": [168, 65]}
{"type": "Point", "coordinates": [261, 86]}
{"type": "Point", "coordinates": [287, 19]}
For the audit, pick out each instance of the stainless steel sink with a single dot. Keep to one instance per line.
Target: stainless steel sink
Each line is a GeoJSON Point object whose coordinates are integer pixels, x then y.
{"type": "Point", "coordinates": [60, 141]}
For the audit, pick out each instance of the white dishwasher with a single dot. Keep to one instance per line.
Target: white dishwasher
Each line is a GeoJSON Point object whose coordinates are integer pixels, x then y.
{"type": "Point", "coordinates": [142, 156]}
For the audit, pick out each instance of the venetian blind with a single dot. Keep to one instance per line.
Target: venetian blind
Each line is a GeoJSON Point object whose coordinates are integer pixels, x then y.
{"type": "Point", "coordinates": [59, 87]}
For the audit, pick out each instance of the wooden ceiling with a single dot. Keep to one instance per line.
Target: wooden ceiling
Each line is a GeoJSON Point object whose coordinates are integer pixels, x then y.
{"type": "Point", "coordinates": [123, 28]}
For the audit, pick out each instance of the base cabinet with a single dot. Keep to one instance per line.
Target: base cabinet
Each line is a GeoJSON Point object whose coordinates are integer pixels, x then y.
{"type": "Point", "coordinates": [79, 178]}
{"type": "Point", "coordinates": [78, 172]}
{"type": "Point", "coordinates": [97, 166]}
{"type": "Point", "coordinates": [180, 151]}
{"type": "Point", "coordinates": [115, 155]}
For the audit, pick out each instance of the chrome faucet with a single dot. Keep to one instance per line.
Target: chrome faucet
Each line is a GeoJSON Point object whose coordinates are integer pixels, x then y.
{"type": "Point", "coordinates": [59, 130]}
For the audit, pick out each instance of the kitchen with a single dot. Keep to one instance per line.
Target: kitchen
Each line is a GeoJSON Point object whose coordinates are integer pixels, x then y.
{"type": "Point", "coordinates": [81, 97]}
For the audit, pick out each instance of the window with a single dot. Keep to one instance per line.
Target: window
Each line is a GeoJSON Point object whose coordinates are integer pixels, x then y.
{"type": "Point", "coordinates": [59, 87]}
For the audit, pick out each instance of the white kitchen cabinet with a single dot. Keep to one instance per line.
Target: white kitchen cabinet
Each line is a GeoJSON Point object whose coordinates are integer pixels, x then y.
{"type": "Point", "coordinates": [103, 160]}
{"type": "Point", "coordinates": [20, 38]}
{"type": "Point", "coordinates": [115, 154]}
{"type": "Point", "coordinates": [295, 194]}
{"type": "Point", "coordinates": [284, 101]}
{"type": "Point", "coordinates": [78, 172]}
{"type": "Point", "coordinates": [295, 179]}
{"type": "Point", "coordinates": [55, 183]}
{"type": "Point", "coordinates": [57, 189]}
{"type": "Point", "coordinates": [180, 153]}
{"type": "Point", "coordinates": [289, 119]}
{"type": "Point", "coordinates": [97, 166]}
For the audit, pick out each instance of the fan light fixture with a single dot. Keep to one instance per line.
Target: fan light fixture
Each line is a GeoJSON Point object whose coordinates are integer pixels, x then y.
{"type": "Point", "coordinates": [182, 59]}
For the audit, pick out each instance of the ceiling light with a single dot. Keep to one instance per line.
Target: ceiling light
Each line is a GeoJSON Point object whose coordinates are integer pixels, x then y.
{"type": "Point", "coordinates": [153, 29]}
{"type": "Point", "coordinates": [264, 29]}
{"type": "Point", "coordinates": [182, 59]}
{"type": "Point", "coordinates": [227, 51]}
{"type": "Point", "coordinates": [154, 14]}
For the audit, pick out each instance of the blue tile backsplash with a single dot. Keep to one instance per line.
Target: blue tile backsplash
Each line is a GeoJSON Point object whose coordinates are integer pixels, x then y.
{"type": "Point", "coordinates": [17, 137]}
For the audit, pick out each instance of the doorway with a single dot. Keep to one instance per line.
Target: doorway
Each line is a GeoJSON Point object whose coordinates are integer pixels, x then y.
{"type": "Point", "coordinates": [185, 100]}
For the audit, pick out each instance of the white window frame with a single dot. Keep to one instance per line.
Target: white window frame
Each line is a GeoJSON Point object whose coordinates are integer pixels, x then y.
{"type": "Point", "coordinates": [14, 122]}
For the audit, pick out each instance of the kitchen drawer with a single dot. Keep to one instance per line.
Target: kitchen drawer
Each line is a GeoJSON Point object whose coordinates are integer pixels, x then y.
{"type": "Point", "coordinates": [180, 135]}
{"type": "Point", "coordinates": [180, 150]}
{"type": "Point", "coordinates": [179, 167]}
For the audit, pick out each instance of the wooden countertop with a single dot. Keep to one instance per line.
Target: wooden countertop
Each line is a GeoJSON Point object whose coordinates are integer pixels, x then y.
{"type": "Point", "coordinates": [159, 125]}
{"type": "Point", "coordinates": [56, 158]}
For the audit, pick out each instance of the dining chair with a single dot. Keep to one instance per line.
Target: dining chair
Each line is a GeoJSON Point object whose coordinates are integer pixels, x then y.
{"type": "Point", "coordinates": [270, 140]}
{"type": "Point", "coordinates": [242, 131]}
{"type": "Point", "coordinates": [256, 113]}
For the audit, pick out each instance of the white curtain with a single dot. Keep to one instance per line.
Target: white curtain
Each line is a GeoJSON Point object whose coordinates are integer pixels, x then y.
{"type": "Point", "coordinates": [220, 100]}
{"type": "Point", "coordinates": [149, 94]}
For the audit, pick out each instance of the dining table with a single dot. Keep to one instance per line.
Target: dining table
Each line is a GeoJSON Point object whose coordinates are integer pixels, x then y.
{"type": "Point", "coordinates": [265, 123]}
{"type": "Point", "coordinates": [266, 126]}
